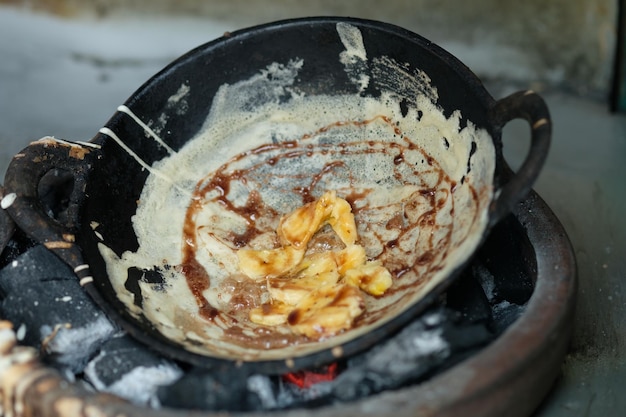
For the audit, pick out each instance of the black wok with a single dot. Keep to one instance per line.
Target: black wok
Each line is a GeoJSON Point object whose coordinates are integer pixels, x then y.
{"type": "Point", "coordinates": [307, 59]}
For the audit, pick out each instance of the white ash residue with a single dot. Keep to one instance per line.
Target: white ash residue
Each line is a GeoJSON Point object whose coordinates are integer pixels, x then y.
{"type": "Point", "coordinates": [70, 345]}
{"type": "Point", "coordinates": [138, 386]}
{"type": "Point", "coordinates": [125, 368]}
{"type": "Point", "coordinates": [505, 313]}
{"type": "Point", "coordinates": [418, 349]}
{"type": "Point", "coordinates": [486, 280]}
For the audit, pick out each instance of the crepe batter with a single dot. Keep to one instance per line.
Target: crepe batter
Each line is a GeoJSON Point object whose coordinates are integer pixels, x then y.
{"type": "Point", "coordinates": [419, 186]}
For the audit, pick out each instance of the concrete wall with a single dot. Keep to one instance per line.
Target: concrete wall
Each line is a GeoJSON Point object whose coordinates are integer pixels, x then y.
{"type": "Point", "coordinates": [564, 43]}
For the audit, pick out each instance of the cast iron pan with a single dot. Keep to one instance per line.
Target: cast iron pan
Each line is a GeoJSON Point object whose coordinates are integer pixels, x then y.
{"type": "Point", "coordinates": [111, 170]}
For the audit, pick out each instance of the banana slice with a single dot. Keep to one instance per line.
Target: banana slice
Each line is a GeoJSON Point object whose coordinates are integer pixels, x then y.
{"type": "Point", "coordinates": [318, 294]}
{"type": "Point", "coordinates": [292, 291]}
{"type": "Point", "coordinates": [342, 221]}
{"type": "Point", "coordinates": [351, 257]}
{"type": "Point", "coordinates": [271, 314]}
{"type": "Point", "coordinates": [297, 228]}
{"type": "Point", "coordinates": [317, 263]}
{"type": "Point", "coordinates": [319, 270]}
{"type": "Point", "coordinates": [261, 264]}
{"type": "Point", "coordinates": [327, 311]}
{"type": "Point", "coordinates": [372, 277]}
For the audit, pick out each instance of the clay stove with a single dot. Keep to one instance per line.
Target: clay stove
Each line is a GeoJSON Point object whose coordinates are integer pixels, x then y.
{"type": "Point", "coordinates": [492, 346]}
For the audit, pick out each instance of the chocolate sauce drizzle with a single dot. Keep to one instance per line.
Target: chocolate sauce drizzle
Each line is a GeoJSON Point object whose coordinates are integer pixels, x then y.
{"type": "Point", "coordinates": [427, 212]}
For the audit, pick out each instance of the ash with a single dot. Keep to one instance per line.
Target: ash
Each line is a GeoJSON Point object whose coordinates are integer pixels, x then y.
{"type": "Point", "coordinates": [49, 310]}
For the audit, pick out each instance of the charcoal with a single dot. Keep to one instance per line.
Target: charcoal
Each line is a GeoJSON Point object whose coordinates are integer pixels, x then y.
{"type": "Point", "coordinates": [265, 389]}
{"type": "Point", "coordinates": [467, 296]}
{"type": "Point", "coordinates": [18, 244]}
{"type": "Point", "coordinates": [278, 393]}
{"type": "Point", "coordinates": [466, 340]}
{"type": "Point", "coordinates": [435, 341]}
{"type": "Point", "coordinates": [411, 354]}
{"type": "Point", "coordinates": [129, 370]}
{"type": "Point", "coordinates": [271, 392]}
{"type": "Point", "coordinates": [510, 258]}
{"type": "Point", "coordinates": [44, 301]}
{"type": "Point", "coordinates": [486, 280]}
{"type": "Point", "coordinates": [220, 390]}
{"type": "Point", "coordinates": [504, 314]}
{"type": "Point", "coordinates": [290, 395]}
{"type": "Point", "coordinates": [467, 336]}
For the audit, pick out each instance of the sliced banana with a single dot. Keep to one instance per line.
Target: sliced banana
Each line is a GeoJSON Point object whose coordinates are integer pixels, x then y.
{"type": "Point", "coordinates": [317, 294]}
{"type": "Point", "coordinates": [342, 221]}
{"type": "Point", "coordinates": [271, 314]}
{"type": "Point", "coordinates": [351, 257]}
{"type": "Point", "coordinates": [371, 277]}
{"type": "Point", "coordinates": [292, 291]}
{"type": "Point", "coordinates": [317, 263]}
{"type": "Point", "coordinates": [268, 263]}
{"type": "Point", "coordinates": [297, 228]}
{"type": "Point", "coordinates": [327, 311]}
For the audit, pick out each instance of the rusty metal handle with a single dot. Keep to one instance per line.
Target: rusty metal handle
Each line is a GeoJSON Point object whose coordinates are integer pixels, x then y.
{"type": "Point", "coordinates": [22, 178]}
{"type": "Point", "coordinates": [529, 106]}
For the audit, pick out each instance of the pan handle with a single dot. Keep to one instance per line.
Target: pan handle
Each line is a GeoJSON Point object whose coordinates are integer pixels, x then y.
{"type": "Point", "coordinates": [23, 203]}
{"type": "Point", "coordinates": [7, 227]}
{"type": "Point", "coordinates": [529, 106]}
